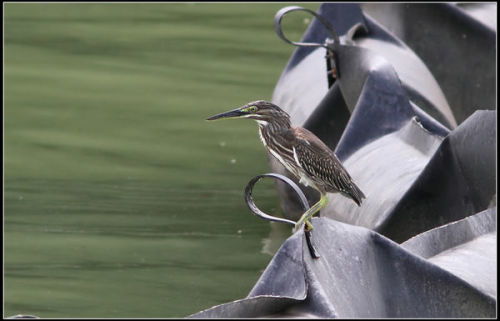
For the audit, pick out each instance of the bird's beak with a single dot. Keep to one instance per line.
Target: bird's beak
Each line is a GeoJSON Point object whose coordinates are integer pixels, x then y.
{"type": "Point", "coordinates": [235, 113]}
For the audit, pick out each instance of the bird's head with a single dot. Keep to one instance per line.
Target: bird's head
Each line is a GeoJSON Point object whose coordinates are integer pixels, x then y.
{"type": "Point", "coordinates": [262, 111]}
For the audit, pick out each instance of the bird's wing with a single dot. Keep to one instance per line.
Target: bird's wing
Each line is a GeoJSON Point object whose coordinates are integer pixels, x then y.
{"type": "Point", "coordinates": [319, 161]}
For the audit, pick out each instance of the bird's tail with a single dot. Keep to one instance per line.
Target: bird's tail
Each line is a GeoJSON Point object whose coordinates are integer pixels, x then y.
{"type": "Point", "coordinates": [356, 194]}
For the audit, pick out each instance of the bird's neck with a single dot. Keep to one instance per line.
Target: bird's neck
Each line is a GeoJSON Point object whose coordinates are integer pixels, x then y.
{"type": "Point", "coordinates": [272, 129]}
{"type": "Point", "coordinates": [274, 125]}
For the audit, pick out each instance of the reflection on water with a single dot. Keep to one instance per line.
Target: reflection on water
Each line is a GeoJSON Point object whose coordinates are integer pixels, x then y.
{"type": "Point", "coordinates": [278, 234]}
{"type": "Point", "coordinates": [118, 245]}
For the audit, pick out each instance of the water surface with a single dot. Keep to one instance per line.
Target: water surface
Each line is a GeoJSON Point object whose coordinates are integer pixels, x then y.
{"type": "Point", "coordinates": [119, 199]}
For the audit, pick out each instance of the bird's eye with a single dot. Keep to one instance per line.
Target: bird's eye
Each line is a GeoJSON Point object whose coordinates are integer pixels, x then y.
{"type": "Point", "coordinates": [251, 109]}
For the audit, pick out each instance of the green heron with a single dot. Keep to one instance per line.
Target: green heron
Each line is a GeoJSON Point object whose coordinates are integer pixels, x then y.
{"type": "Point", "coordinates": [301, 152]}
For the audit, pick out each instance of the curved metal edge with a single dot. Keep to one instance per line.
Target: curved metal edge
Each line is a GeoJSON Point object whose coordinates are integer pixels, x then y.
{"type": "Point", "coordinates": [279, 31]}
{"type": "Point", "coordinates": [256, 211]}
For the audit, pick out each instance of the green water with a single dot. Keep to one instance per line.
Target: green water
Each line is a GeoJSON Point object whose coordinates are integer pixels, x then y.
{"type": "Point", "coordinates": [119, 199]}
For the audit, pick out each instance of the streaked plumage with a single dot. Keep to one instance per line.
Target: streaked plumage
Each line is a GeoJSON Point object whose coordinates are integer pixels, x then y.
{"type": "Point", "coordinates": [300, 151]}
{"type": "Point", "coordinates": [307, 157]}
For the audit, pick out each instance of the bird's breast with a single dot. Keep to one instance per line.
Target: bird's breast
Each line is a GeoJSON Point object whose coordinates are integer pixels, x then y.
{"type": "Point", "coordinates": [278, 146]}
{"type": "Point", "coordinates": [262, 139]}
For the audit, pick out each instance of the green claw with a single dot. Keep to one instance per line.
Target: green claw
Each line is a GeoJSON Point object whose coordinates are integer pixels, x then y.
{"type": "Point", "coordinates": [308, 226]}
{"type": "Point", "coordinates": [310, 212]}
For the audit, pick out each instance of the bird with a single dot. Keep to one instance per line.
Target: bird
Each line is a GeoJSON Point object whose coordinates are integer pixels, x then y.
{"type": "Point", "coordinates": [301, 152]}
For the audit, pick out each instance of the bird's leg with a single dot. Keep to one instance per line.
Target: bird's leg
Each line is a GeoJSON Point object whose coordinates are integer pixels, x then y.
{"type": "Point", "coordinates": [310, 212]}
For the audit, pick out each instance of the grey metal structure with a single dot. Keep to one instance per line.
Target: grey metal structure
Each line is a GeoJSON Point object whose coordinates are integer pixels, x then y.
{"type": "Point", "coordinates": [423, 243]}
